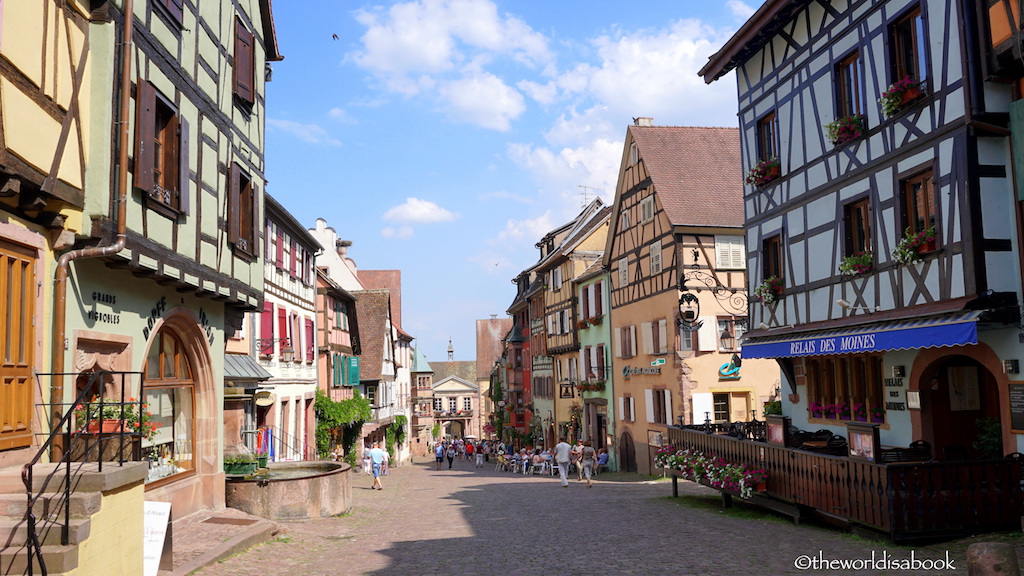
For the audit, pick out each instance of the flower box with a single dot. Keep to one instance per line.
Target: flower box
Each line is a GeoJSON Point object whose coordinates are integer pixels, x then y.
{"type": "Point", "coordinates": [913, 245]}
{"type": "Point", "coordinates": [239, 468]}
{"type": "Point", "coordinates": [769, 291]}
{"type": "Point", "coordinates": [845, 129]}
{"type": "Point", "coordinates": [898, 95]}
{"type": "Point", "coordinates": [764, 172]}
{"type": "Point", "coordinates": [857, 264]}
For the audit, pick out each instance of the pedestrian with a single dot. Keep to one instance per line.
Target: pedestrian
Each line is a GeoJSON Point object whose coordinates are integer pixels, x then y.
{"type": "Point", "coordinates": [588, 458]}
{"type": "Point", "coordinates": [450, 453]}
{"type": "Point", "coordinates": [469, 450]}
{"type": "Point", "coordinates": [366, 461]}
{"type": "Point", "coordinates": [487, 451]}
{"type": "Point", "coordinates": [577, 455]}
{"type": "Point", "coordinates": [439, 453]}
{"type": "Point", "coordinates": [478, 453]}
{"type": "Point", "coordinates": [563, 456]}
{"type": "Point", "coordinates": [377, 457]}
{"type": "Point", "coordinates": [387, 463]}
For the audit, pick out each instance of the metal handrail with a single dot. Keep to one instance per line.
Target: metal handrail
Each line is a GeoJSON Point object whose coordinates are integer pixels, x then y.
{"type": "Point", "coordinates": [64, 428]}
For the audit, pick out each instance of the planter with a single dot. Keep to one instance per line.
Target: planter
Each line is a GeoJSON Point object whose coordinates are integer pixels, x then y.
{"type": "Point", "coordinates": [878, 419]}
{"type": "Point", "coordinates": [104, 426]}
{"type": "Point", "coordinates": [239, 468]}
{"type": "Point", "coordinates": [909, 95]}
{"type": "Point", "coordinates": [860, 418]}
{"type": "Point", "coordinates": [105, 447]}
{"type": "Point", "coordinates": [761, 486]}
{"type": "Point", "coordinates": [261, 461]}
{"type": "Point", "coordinates": [774, 172]}
{"type": "Point", "coordinates": [926, 246]}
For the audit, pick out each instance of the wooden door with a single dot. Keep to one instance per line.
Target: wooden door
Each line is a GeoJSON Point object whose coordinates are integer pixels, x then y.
{"type": "Point", "coordinates": [17, 338]}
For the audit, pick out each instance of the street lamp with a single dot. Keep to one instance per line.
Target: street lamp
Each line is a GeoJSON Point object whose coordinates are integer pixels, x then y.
{"type": "Point", "coordinates": [728, 340]}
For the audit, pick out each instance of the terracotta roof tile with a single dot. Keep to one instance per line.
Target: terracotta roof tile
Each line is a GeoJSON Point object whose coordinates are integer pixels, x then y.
{"type": "Point", "coordinates": [697, 172]}
{"type": "Point", "coordinates": [387, 280]}
{"type": "Point", "coordinates": [372, 311]}
{"type": "Point", "coordinates": [464, 369]}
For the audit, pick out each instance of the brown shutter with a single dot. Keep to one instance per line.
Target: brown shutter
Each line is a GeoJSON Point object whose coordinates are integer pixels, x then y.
{"type": "Point", "coordinates": [183, 170]}
{"type": "Point", "coordinates": [280, 249]}
{"type": "Point", "coordinates": [244, 62]}
{"type": "Point", "coordinates": [176, 8]}
{"type": "Point", "coordinates": [145, 134]}
{"type": "Point", "coordinates": [267, 329]}
{"type": "Point", "coordinates": [233, 201]}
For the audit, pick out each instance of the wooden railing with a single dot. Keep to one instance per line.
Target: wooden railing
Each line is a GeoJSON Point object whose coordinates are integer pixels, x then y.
{"type": "Point", "coordinates": [906, 500]}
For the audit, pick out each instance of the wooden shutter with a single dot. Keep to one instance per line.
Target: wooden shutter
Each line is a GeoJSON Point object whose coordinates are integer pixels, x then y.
{"type": "Point", "coordinates": [353, 370]}
{"type": "Point", "coordinates": [668, 406]}
{"type": "Point", "coordinates": [622, 408]}
{"type": "Point", "coordinates": [662, 332]}
{"type": "Point", "coordinates": [618, 343]}
{"type": "Point", "coordinates": [280, 249]}
{"type": "Point", "coordinates": [649, 404]}
{"type": "Point", "coordinates": [234, 196]}
{"type": "Point", "coordinates": [267, 329]}
{"type": "Point", "coordinates": [632, 340]}
{"type": "Point", "coordinates": [294, 258]}
{"type": "Point", "coordinates": [176, 9]}
{"type": "Point", "coordinates": [656, 257]}
{"type": "Point", "coordinates": [599, 362]}
{"type": "Point", "coordinates": [707, 334]}
{"type": "Point", "coordinates": [310, 342]}
{"type": "Point", "coordinates": [336, 368]}
{"type": "Point", "coordinates": [254, 228]}
{"type": "Point", "coordinates": [184, 176]}
{"type": "Point", "coordinates": [244, 69]}
{"type": "Point", "coordinates": [145, 135]}
{"type": "Point", "coordinates": [647, 334]}
{"type": "Point", "coordinates": [282, 324]}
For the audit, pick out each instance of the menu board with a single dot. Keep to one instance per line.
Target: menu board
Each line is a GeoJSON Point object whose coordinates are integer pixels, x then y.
{"type": "Point", "coordinates": [1017, 407]}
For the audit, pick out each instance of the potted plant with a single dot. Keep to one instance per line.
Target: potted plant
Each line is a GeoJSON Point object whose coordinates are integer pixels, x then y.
{"type": "Point", "coordinates": [764, 172]}
{"type": "Point", "coordinates": [769, 290]}
{"type": "Point", "coordinates": [857, 264]}
{"type": "Point", "coordinates": [582, 324]}
{"type": "Point", "coordinates": [860, 412]}
{"type": "Point", "coordinates": [842, 410]}
{"type": "Point", "coordinates": [913, 244]}
{"type": "Point", "coordinates": [239, 464]}
{"type": "Point", "coordinates": [109, 416]}
{"type": "Point", "coordinates": [898, 95]}
{"type": "Point", "coordinates": [773, 407]}
{"type": "Point", "coordinates": [596, 320]}
{"type": "Point", "coordinates": [817, 410]}
{"type": "Point", "coordinates": [262, 459]}
{"type": "Point", "coordinates": [845, 129]}
{"type": "Point", "coordinates": [877, 415]}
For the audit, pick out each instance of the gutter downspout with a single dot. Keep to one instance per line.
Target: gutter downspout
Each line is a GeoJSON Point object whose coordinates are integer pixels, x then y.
{"type": "Point", "coordinates": [63, 264]}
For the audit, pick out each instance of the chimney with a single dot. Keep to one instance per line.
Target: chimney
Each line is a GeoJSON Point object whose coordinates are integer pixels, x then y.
{"type": "Point", "coordinates": [342, 247]}
{"type": "Point", "coordinates": [643, 121]}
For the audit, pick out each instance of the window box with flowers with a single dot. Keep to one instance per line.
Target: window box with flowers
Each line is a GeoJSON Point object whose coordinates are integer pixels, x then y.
{"type": "Point", "coordinates": [596, 320]}
{"type": "Point", "coordinates": [913, 244]}
{"type": "Point", "coordinates": [898, 95]}
{"type": "Point", "coordinates": [845, 129]}
{"type": "Point", "coordinates": [768, 291]}
{"type": "Point", "coordinates": [860, 412]}
{"type": "Point", "coordinates": [877, 415]}
{"type": "Point", "coordinates": [764, 172]}
{"type": "Point", "coordinates": [595, 386]}
{"type": "Point", "coordinates": [857, 264]}
{"type": "Point", "coordinates": [817, 410]}
{"type": "Point", "coordinates": [111, 431]}
{"type": "Point", "coordinates": [582, 324]}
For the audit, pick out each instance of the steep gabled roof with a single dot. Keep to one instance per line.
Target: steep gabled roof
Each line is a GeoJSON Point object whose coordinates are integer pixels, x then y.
{"type": "Point", "coordinates": [390, 280]}
{"type": "Point", "coordinates": [372, 307]}
{"type": "Point", "coordinates": [696, 172]}
{"type": "Point", "coordinates": [463, 369]}
{"type": "Point", "coordinates": [490, 336]}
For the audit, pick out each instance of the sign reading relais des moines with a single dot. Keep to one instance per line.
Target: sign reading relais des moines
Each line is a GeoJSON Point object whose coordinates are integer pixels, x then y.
{"type": "Point", "coordinates": [628, 371]}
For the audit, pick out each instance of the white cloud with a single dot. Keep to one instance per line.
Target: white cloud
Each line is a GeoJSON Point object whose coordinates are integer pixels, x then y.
{"type": "Point", "coordinates": [741, 10]}
{"type": "Point", "coordinates": [530, 230]}
{"type": "Point", "coordinates": [545, 94]}
{"type": "Point", "coordinates": [399, 233]}
{"type": "Point", "coordinates": [310, 133]}
{"type": "Point", "coordinates": [340, 115]}
{"type": "Point", "coordinates": [483, 100]}
{"type": "Point", "coordinates": [442, 48]}
{"type": "Point", "coordinates": [419, 211]}
{"type": "Point", "coordinates": [505, 195]}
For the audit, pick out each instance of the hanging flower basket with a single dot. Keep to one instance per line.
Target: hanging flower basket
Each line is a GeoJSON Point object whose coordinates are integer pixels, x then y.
{"type": "Point", "coordinates": [857, 264]}
{"type": "Point", "coordinates": [769, 291]}
{"type": "Point", "coordinates": [764, 172]}
{"type": "Point", "coordinates": [913, 245]}
{"type": "Point", "coordinates": [898, 95]}
{"type": "Point", "coordinates": [845, 129]}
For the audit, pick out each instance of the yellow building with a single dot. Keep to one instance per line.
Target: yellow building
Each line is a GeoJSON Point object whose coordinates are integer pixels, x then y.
{"type": "Point", "coordinates": [677, 261]}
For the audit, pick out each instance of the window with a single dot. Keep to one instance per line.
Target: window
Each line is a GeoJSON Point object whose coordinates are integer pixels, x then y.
{"type": "Point", "coordinates": [845, 388]}
{"type": "Point", "coordinates": [438, 406]}
{"type": "Point", "coordinates": [907, 43]}
{"type": "Point", "coordinates": [310, 340]}
{"type": "Point", "coordinates": [556, 279]}
{"type": "Point", "coordinates": [655, 336]}
{"type": "Point", "coordinates": [634, 153]}
{"type": "Point", "coordinates": [768, 136]}
{"type": "Point", "coordinates": [423, 382]}
{"type": "Point", "coordinates": [857, 222]}
{"type": "Point", "coordinates": [243, 212]}
{"type": "Point", "coordinates": [467, 403]}
{"type": "Point", "coordinates": [655, 257]}
{"type": "Point", "coordinates": [685, 339]}
{"type": "Point", "coordinates": [161, 152]}
{"type": "Point", "coordinates": [170, 394]}
{"type": "Point", "coordinates": [266, 341]}
{"type": "Point", "coordinates": [659, 406]}
{"type": "Point", "coordinates": [721, 407]}
{"type": "Point", "coordinates": [598, 307]}
{"type": "Point", "coordinates": [771, 252]}
{"type": "Point", "coordinates": [850, 85]}
{"type": "Point", "coordinates": [245, 64]}
{"type": "Point", "coordinates": [626, 409]}
{"type": "Point", "coordinates": [623, 272]}
{"type": "Point", "coordinates": [585, 311]}
{"type": "Point", "coordinates": [729, 252]}
{"type": "Point", "coordinates": [918, 202]}
{"type": "Point", "coordinates": [453, 404]}
{"type": "Point", "coordinates": [625, 341]}
{"type": "Point", "coordinates": [731, 329]}
{"type": "Point", "coordinates": [624, 219]}
{"type": "Point", "coordinates": [647, 209]}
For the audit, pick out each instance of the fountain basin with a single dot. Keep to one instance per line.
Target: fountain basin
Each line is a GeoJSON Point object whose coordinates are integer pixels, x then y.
{"type": "Point", "coordinates": [293, 491]}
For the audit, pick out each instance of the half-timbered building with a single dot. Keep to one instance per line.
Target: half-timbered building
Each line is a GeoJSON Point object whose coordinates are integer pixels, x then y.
{"type": "Point", "coordinates": [882, 236]}
{"type": "Point", "coordinates": [676, 235]}
{"type": "Point", "coordinates": [596, 385]}
{"type": "Point", "coordinates": [518, 393]}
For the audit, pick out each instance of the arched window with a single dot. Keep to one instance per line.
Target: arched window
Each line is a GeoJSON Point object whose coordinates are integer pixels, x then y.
{"type": "Point", "coordinates": [170, 393]}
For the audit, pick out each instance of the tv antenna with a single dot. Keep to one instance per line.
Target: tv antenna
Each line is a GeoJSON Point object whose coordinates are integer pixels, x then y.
{"type": "Point", "coordinates": [586, 193]}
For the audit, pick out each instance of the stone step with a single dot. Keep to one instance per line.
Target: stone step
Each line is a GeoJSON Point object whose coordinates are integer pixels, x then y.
{"type": "Point", "coordinates": [83, 505]}
{"type": "Point", "coordinates": [86, 477]}
{"type": "Point", "coordinates": [13, 533]}
{"type": "Point", "coordinates": [59, 559]}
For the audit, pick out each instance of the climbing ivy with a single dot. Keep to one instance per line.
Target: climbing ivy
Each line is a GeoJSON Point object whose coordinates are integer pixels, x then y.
{"type": "Point", "coordinates": [394, 435]}
{"type": "Point", "coordinates": [339, 421]}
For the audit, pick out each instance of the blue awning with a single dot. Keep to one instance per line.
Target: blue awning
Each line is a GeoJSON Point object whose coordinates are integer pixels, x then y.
{"type": "Point", "coordinates": [929, 332]}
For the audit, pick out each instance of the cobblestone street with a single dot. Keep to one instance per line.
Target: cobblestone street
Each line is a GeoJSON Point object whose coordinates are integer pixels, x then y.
{"type": "Point", "coordinates": [476, 521]}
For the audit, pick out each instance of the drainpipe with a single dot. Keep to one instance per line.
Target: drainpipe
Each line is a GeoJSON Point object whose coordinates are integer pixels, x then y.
{"type": "Point", "coordinates": [63, 264]}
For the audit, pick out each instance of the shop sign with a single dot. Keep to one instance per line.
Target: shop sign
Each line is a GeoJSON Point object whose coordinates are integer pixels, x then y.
{"type": "Point", "coordinates": [95, 315]}
{"type": "Point", "coordinates": [628, 371]}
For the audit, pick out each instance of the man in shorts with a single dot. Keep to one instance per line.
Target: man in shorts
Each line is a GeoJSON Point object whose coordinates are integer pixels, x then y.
{"type": "Point", "coordinates": [377, 457]}
{"type": "Point", "coordinates": [439, 453]}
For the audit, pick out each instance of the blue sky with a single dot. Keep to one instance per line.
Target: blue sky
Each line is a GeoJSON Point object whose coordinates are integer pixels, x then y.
{"type": "Point", "coordinates": [445, 137]}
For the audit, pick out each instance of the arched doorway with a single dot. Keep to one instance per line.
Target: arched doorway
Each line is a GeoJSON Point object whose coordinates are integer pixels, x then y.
{"type": "Point", "coordinates": [959, 397]}
{"type": "Point", "coordinates": [627, 453]}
